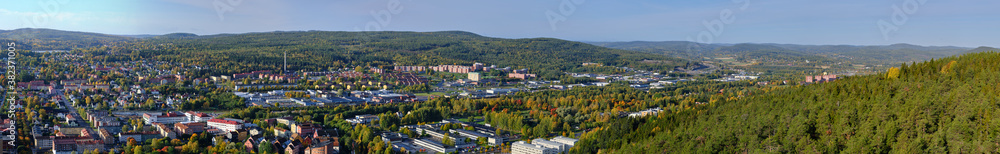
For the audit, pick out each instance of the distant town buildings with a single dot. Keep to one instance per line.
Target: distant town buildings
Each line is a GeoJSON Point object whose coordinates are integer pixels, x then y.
{"type": "Point", "coordinates": [363, 119]}
{"type": "Point", "coordinates": [647, 112]}
{"type": "Point", "coordinates": [820, 78]}
{"type": "Point", "coordinates": [521, 76]}
{"type": "Point", "coordinates": [474, 76]}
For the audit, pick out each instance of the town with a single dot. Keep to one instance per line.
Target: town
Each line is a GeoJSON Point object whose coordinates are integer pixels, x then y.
{"type": "Point", "coordinates": [115, 107]}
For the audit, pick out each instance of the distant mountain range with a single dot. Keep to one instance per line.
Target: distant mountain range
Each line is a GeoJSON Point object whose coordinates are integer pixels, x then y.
{"type": "Point", "coordinates": [886, 53]}
{"type": "Point", "coordinates": [458, 47]}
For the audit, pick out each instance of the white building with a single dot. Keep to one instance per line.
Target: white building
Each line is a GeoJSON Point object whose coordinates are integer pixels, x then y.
{"type": "Point", "coordinates": [363, 119]}
{"type": "Point", "coordinates": [225, 124]}
{"type": "Point", "coordinates": [501, 91]}
{"type": "Point", "coordinates": [521, 147]}
{"type": "Point", "coordinates": [493, 140]}
{"type": "Point", "coordinates": [549, 144]}
{"type": "Point", "coordinates": [197, 116]}
{"type": "Point", "coordinates": [474, 76]}
{"type": "Point", "coordinates": [168, 118]}
{"type": "Point", "coordinates": [643, 113]}
{"type": "Point", "coordinates": [434, 146]}
{"type": "Point", "coordinates": [565, 140]}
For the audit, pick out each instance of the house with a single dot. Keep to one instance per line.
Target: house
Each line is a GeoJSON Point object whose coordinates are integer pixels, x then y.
{"type": "Point", "coordinates": [302, 128]}
{"type": "Point", "coordinates": [323, 147]}
{"type": "Point", "coordinates": [293, 147]}
{"type": "Point", "coordinates": [281, 132]}
{"type": "Point", "coordinates": [250, 144]}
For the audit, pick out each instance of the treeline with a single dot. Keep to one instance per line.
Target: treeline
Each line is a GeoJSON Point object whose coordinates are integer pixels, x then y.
{"type": "Point", "coordinates": [321, 51]}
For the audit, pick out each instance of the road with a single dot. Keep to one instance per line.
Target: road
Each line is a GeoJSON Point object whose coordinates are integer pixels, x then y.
{"type": "Point", "coordinates": [67, 103]}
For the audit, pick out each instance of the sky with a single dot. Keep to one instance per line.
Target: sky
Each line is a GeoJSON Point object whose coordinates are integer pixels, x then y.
{"type": "Point", "coordinates": [965, 23]}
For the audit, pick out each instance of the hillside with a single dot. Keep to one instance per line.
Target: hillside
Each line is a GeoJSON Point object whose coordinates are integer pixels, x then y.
{"type": "Point", "coordinates": [671, 48]}
{"type": "Point", "coordinates": [750, 52]}
{"type": "Point", "coordinates": [49, 39]}
{"type": "Point", "coordinates": [981, 49]}
{"type": "Point", "coordinates": [887, 54]}
{"type": "Point", "coordinates": [322, 50]}
{"type": "Point", "coordinates": [946, 105]}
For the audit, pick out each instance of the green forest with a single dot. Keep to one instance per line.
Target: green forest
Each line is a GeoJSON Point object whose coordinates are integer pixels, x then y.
{"type": "Point", "coordinates": [324, 50]}
{"type": "Point", "coordinates": [947, 105]}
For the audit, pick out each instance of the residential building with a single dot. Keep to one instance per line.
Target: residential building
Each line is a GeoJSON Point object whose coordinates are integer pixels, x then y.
{"type": "Point", "coordinates": [324, 147]}
{"type": "Point", "coordinates": [303, 128]}
{"type": "Point", "coordinates": [90, 145]}
{"type": "Point", "coordinates": [138, 136]}
{"type": "Point", "coordinates": [164, 130]}
{"type": "Point", "coordinates": [63, 144]}
{"type": "Point", "coordinates": [225, 125]}
{"type": "Point", "coordinates": [197, 116]}
{"type": "Point", "coordinates": [105, 136]}
{"type": "Point", "coordinates": [474, 76]}
{"type": "Point", "coordinates": [189, 127]}
{"type": "Point", "coordinates": [521, 75]}
{"type": "Point", "coordinates": [167, 118]}
{"type": "Point", "coordinates": [43, 142]}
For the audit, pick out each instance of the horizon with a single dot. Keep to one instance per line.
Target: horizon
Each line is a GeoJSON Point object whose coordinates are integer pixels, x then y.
{"type": "Point", "coordinates": [860, 23]}
{"type": "Point", "coordinates": [588, 42]}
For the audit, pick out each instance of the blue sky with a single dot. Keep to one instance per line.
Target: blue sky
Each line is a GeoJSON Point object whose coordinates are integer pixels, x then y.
{"type": "Point", "coordinates": [967, 23]}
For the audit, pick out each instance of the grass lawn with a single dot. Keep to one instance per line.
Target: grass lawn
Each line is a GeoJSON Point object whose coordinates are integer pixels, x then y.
{"type": "Point", "coordinates": [430, 94]}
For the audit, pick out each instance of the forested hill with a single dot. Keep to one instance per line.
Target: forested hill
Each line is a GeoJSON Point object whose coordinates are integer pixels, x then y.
{"type": "Point", "coordinates": [947, 105]}
{"type": "Point", "coordinates": [50, 39]}
{"type": "Point", "coordinates": [882, 54]}
{"type": "Point", "coordinates": [320, 50]}
{"type": "Point", "coordinates": [982, 49]}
